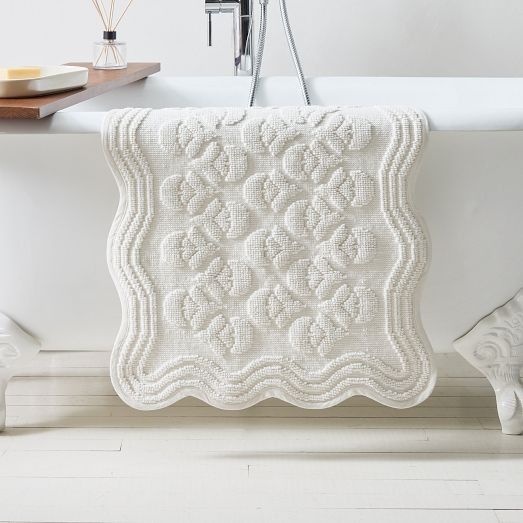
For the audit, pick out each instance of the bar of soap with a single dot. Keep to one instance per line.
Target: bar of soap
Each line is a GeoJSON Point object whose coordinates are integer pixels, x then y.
{"type": "Point", "coordinates": [20, 73]}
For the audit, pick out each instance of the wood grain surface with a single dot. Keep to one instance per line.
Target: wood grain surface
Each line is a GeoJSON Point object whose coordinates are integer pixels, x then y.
{"type": "Point", "coordinates": [100, 81]}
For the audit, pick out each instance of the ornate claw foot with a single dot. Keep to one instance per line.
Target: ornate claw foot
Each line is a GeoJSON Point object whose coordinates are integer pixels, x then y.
{"type": "Point", "coordinates": [495, 347]}
{"type": "Point", "coordinates": [16, 348]}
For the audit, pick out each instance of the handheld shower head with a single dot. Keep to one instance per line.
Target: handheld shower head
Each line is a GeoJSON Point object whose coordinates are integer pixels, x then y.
{"type": "Point", "coordinates": [292, 46]}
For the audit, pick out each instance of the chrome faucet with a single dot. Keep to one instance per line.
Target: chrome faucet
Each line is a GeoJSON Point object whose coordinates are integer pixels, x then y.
{"type": "Point", "coordinates": [242, 13]}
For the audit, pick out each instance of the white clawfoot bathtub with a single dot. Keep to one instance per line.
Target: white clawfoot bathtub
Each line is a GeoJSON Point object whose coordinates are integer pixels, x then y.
{"type": "Point", "coordinates": [58, 199]}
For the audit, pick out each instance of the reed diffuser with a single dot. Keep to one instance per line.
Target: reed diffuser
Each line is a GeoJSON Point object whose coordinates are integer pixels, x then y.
{"type": "Point", "coordinates": [109, 53]}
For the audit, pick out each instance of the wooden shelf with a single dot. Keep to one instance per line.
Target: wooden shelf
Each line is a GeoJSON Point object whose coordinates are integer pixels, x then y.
{"type": "Point", "coordinates": [100, 81]}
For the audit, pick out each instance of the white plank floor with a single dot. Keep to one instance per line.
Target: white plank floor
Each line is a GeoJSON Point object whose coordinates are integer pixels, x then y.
{"type": "Point", "coordinates": [74, 453]}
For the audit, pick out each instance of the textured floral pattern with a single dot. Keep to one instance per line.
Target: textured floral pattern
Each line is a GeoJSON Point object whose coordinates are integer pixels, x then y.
{"type": "Point", "coordinates": [344, 190]}
{"type": "Point", "coordinates": [267, 252]}
{"type": "Point", "coordinates": [269, 191]}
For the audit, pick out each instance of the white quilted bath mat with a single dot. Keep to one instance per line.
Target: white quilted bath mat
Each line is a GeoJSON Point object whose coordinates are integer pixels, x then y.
{"type": "Point", "coordinates": [267, 252]}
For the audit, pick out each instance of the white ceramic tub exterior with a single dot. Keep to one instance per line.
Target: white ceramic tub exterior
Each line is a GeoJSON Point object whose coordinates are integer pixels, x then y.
{"type": "Point", "coordinates": [58, 199]}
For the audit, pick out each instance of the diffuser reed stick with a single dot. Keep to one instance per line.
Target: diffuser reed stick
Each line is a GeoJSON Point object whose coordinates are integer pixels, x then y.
{"type": "Point", "coordinates": [123, 14]}
{"type": "Point", "coordinates": [110, 54]}
{"type": "Point", "coordinates": [98, 10]}
{"type": "Point", "coordinates": [108, 14]}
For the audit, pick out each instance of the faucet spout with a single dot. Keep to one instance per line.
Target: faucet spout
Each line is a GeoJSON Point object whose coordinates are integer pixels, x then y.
{"type": "Point", "coordinates": [242, 17]}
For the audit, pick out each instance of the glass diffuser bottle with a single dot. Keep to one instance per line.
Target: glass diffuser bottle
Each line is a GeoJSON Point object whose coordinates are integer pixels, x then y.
{"type": "Point", "coordinates": [109, 53]}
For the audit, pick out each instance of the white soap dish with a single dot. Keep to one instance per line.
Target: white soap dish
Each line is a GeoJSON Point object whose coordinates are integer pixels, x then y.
{"type": "Point", "coordinates": [54, 79]}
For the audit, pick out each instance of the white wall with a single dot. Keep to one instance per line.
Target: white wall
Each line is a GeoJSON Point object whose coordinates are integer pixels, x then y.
{"type": "Point", "coordinates": [336, 37]}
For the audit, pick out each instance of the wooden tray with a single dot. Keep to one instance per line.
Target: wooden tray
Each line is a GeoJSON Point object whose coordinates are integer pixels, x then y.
{"type": "Point", "coordinates": [100, 81]}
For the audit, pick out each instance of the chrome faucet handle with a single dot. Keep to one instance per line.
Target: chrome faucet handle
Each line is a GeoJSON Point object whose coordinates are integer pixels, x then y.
{"type": "Point", "coordinates": [211, 7]}
{"type": "Point", "coordinates": [209, 30]}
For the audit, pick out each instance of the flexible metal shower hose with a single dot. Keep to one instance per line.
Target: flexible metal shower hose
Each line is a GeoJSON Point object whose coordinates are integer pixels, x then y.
{"type": "Point", "coordinates": [261, 48]}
